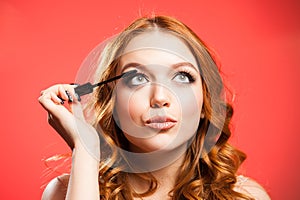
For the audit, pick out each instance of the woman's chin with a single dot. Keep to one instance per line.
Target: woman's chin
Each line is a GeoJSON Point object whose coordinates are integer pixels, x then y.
{"type": "Point", "coordinates": [159, 143]}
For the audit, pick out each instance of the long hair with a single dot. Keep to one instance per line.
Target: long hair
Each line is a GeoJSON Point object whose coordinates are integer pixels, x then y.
{"type": "Point", "coordinates": [210, 166]}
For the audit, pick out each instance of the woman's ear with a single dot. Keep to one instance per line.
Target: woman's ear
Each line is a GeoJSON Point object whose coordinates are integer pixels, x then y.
{"type": "Point", "coordinates": [202, 115]}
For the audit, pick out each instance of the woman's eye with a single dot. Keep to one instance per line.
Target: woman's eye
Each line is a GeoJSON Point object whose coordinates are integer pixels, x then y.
{"type": "Point", "coordinates": [183, 77]}
{"type": "Point", "coordinates": [137, 79]}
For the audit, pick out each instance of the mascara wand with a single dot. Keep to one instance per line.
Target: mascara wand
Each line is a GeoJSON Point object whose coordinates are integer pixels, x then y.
{"type": "Point", "coordinates": [88, 88]}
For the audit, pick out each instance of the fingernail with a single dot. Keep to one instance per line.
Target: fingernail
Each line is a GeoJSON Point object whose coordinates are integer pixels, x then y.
{"type": "Point", "coordinates": [61, 100]}
{"type": "Point", "coordinates": [69, 96]}
{"type": "Point", "coordinates": [78, 97]}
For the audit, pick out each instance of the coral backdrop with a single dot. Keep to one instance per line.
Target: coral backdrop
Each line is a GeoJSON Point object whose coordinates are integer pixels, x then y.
{"type": "Point", "coordinates": [258, 45]}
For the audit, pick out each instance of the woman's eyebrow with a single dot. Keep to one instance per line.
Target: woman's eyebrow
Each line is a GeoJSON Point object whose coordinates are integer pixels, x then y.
{"type": "Point", "coordinates": [133, 64]}
{"type": "Point", "coordinates": [185, 64]}
{"type": "Point", "coordinates": [143, 67]}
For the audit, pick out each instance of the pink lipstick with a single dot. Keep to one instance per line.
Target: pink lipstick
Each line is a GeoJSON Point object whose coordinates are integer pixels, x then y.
{"type": "Point", "coordinates": [160, 123]}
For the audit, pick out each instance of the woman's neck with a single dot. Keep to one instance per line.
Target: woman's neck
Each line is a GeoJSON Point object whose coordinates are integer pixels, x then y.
{"type": "Point", "coordinates": [170, 172]}
{"type": "Point", "coordinates": [166, 179]}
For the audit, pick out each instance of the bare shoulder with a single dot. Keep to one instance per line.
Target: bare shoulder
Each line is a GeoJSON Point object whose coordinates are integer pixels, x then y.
{"type": "Point", "coordinates": [56, 188]}
{"type": "Point", "coordinates": [250, 187]}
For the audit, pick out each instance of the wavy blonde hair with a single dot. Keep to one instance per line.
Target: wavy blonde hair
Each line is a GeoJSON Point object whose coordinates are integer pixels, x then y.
{"type": "Point", "coordinates": [210, 166]}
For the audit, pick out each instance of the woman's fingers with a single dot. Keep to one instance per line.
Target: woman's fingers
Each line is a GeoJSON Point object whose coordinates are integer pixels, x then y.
{"type": "Point", "coordinates": [57, 95]}
{"type": "Point", "coordinates": [68, 119]}
{"type": "Point", "coordinates": [56, 99]}
{"type": "Point", "coordinates": [62, 92]}
{"type": "Point", "coordinates": [64, 112]}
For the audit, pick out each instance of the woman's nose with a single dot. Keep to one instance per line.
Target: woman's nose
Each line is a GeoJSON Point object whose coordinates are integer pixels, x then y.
{"type": "Point", "coordinates": [160, 96]}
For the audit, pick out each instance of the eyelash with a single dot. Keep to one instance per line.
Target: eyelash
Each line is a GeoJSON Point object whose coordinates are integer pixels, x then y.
{"type": "Point", "coordinates": [129, 78]}
{"type": "Point", "coordinates": [187, 74]}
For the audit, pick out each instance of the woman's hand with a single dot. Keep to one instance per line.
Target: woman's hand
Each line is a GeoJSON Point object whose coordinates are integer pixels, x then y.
{"type": "Point", "coordinates": [65, 115]}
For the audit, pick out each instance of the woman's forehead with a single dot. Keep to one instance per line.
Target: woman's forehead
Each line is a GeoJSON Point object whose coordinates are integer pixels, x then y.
{"type": "Point", "coordinates": [161, 42]}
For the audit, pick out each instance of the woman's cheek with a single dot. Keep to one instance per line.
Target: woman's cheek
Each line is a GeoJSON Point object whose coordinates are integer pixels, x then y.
{"type": "Point", "coordinates": [138, 105]}
{"type": "Point", "coordinates": [190, 101]}
{"type": "Point", "coordinates": [121, 109]}
{"type": "Point", "coordinates": [130, 106]}
{"type": "Point", "coordinates": [190, 106]}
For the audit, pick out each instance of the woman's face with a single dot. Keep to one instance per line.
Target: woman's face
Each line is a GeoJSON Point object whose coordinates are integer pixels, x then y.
{"type": "Point", "coordinates": [159, 107]}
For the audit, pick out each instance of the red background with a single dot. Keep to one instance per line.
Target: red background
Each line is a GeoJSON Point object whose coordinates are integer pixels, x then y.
{"type": "Point", "coordinates": [44, 42]}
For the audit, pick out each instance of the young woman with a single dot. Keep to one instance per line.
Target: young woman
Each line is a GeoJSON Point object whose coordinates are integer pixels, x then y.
{"type": "Point", "coordinates": [160, 132]}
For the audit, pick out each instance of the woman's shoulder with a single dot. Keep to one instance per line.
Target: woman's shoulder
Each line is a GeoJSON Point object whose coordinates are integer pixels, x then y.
{"type": "Point", "coordinates": [250, 187]}
{"type": "Point", "coordinates": [56, 188]}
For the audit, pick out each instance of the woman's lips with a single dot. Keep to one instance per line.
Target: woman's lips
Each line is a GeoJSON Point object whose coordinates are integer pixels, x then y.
{"type": "Point", "coordinates": [160, 123]}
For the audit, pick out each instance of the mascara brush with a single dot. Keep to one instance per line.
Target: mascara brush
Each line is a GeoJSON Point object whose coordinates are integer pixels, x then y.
{"type": "Point", "coordinates": [88, 88]}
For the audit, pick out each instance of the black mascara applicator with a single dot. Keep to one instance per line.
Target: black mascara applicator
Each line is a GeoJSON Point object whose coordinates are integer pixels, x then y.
{"type": "Point", "coordinates": [88, 88]}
